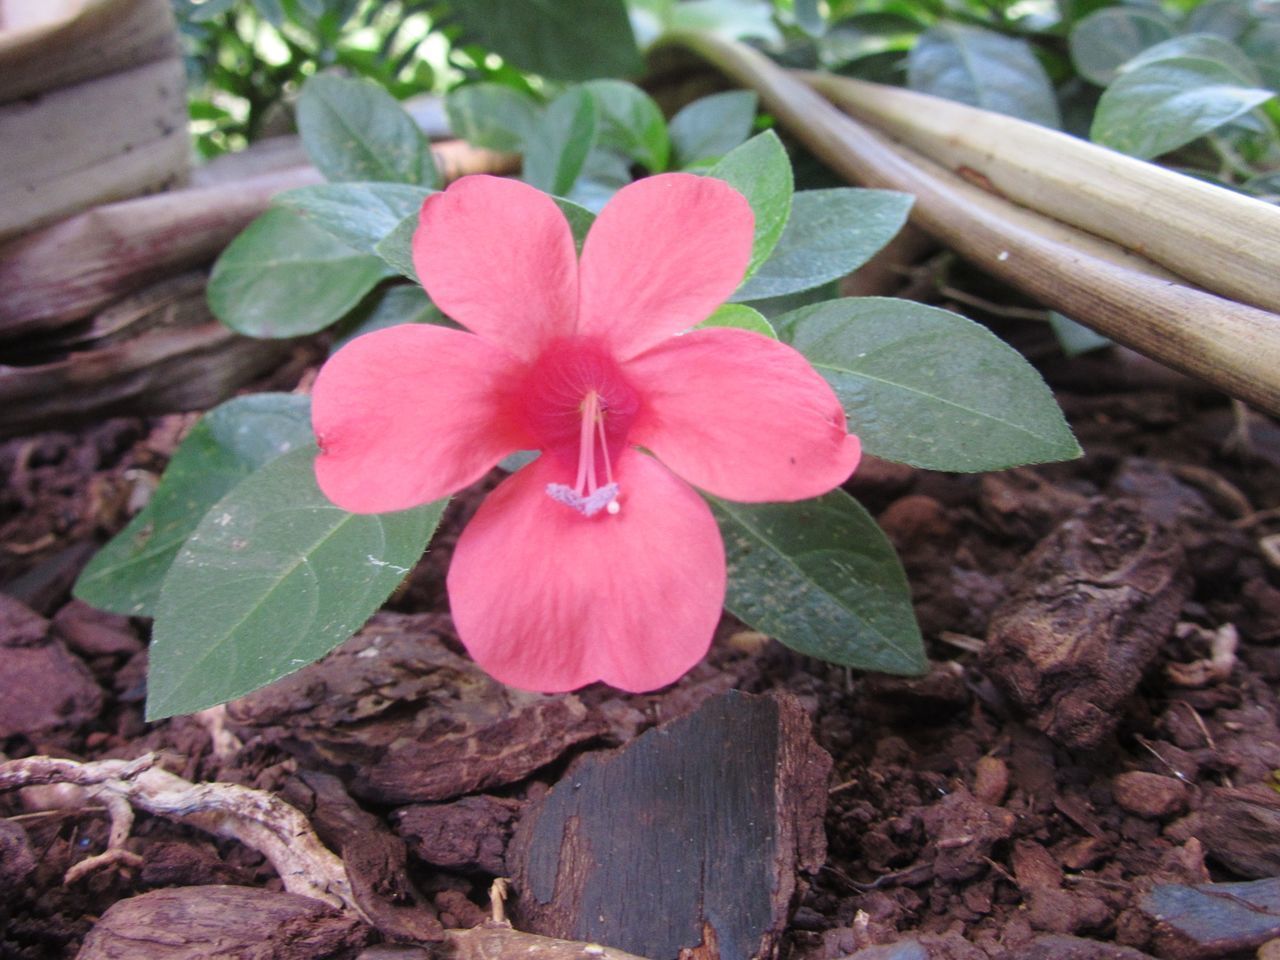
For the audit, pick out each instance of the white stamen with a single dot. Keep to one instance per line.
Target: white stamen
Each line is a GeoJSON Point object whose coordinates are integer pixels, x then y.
{"type": "Point", "coordinates": [586, 496]}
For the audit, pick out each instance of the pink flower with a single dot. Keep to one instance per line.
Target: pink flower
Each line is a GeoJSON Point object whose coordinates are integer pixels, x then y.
{"type": "Point", "coordinates": [598, 561]}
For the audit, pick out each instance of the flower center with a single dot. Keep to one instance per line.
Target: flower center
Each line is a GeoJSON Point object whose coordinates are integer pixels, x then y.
{"type": "Point", "coordinates": [579, 406]}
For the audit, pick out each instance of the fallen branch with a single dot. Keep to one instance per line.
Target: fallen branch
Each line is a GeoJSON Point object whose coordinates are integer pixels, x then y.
{"type": "Point", "coordinates": [55, 276]}
{"type": "Point", "coordinates": [1233, 346]}
{"type": "Point", "coordinates": [1221, 240]}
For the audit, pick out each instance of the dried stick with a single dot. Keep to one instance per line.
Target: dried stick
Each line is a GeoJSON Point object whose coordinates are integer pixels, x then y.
{"type": "Point", "coordinates": [1233, 346]}
{"type": "Point", "coordinates": [1217, 238]}
{"type": "Point", "coordinates": [57, 275]}
{"type": "Point", "coordinates": [257, 819]}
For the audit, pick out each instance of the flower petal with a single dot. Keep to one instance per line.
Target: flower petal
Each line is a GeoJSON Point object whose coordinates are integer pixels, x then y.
{"type": "Point", "coordinates": [662, 255]}
{"type": "Point", "coordinates": [546, 599]}
{"type": "Point", "coordinates": [741, 416]}
{"type": "Point", "coordinates": [497, 256]}
{"type": "Point", "coordinates": [410, 414]}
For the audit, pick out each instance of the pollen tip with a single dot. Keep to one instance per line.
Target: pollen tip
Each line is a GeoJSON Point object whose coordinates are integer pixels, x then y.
{"type": "Point", "coordinates": [613, 508]}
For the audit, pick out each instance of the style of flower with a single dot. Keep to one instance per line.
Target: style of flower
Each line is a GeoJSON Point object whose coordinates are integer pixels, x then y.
{"type": "Point", "coordinates": [598, 560]}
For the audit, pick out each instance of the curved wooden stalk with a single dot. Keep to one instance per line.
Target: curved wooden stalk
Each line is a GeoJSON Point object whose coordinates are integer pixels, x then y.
{"type": "Point", "coordinates": [1231, 345]}
{"type": "Point", "coordinates": [1221, 240]}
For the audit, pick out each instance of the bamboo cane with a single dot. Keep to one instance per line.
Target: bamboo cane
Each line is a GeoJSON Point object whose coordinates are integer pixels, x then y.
{"type": "Point", "coordinates": [1233, 346]}
{"type": "Point", "coordinates": [1222, 240]}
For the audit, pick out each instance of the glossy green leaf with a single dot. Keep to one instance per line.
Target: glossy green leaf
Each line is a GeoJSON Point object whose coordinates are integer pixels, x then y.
{"type": "Point", "coordinates": [868, 34]}
{"type": "Point", "coordinates": [1075, 338]}
{"type": "Point", "coordinates": [396, 250]}
{"type": "Point", "coordinates": [1200, 46]}
{"type": "Point", "coordinates": [272, 579]}
{"type": "Point", "coordinates": [561, 39]}
{"type": "Point", "coordinates": [710, 127]}
{"type": "Point", "coordinates": [761, 172]}
{"type": "Point", "coordinates": [358, 214]}
{"type": "Point", "coordinates": [809, 17]}
{"type": "Point", "coordinates": [631, 123]}
{"type": "Point", "coordinates": [821, 577]}
{"type": "Point", "coordinates": [1157, 108]}
{"type": "Point", "coordinates": [557, 148]}
{"type": "Point", "coordinates": [929, 387]}
{"type": "Point", "coordinates": [228, 444]}
{"type": "Point", "coordinates": [402, 303]}
{"type": "Point", "coordinates": [1106, 39]}
{"type": "Point", "coordinates": [830, 233]}
{"type": "Point", "coordinates": [492, 115]}
{"type": "Point", "coordinates": [355, 130]}
{"type": "Point", "coordinates": [1262, 44]}
{"type": "Point", "coordinates": [741, 317]}
{"type": "Point", "coordinates": [285, 277]}
{"type": "Point", "coordinates": [984, 69]}
{"type": "Point", "coordinates": [1225, 18]}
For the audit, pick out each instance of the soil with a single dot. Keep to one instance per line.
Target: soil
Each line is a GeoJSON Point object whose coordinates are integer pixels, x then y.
{"type": "Point", "coordinates": [1100, 717]}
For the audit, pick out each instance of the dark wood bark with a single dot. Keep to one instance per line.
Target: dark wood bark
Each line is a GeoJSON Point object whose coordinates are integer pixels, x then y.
{"type": "Point", "coordinates": [686, 842]}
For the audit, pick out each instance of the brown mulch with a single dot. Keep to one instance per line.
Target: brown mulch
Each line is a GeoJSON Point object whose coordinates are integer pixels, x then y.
{"type": "Point", "coordinates": [1100, 717]}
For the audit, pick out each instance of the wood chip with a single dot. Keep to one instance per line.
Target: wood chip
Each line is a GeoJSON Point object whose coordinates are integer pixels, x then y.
{"type": "Point", "coordinates": [686, 841]}
{"type": "Point", "coordinates": [406, 720]}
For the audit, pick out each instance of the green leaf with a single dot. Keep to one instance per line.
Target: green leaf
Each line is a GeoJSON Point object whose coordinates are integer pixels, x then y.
{"type": "Point", "coordinates": [492, 115]}
{"type": "Point", "coordinates": [285, 277]}
{"type": "Point", "coordinates": [708, 128]}
{"type": "Point", "coordinates": [741, 317]}
{"type": "Point", "coordinates": [358, 214]}
{"type": "Point", "coordinates": [1200, 46]}
{"type": "Point", "coordinates": [631, 123]}
{"type": "Point", "coordinates": [396, 250]}
{"type": "Point", "coordinates": [984, 69]}
{"type": "Point", "coordinates": [557, 148]}
{"type": "Point", "coordinates": [1075, 338]}
{"type": "Point", "coordinates": [761, 172]}
{"type": "Point", "coordinates": [271, 11]}
{"type": "Point", "coordinates": [1109, 38]}
{"type": "Point", "coordinates": [809, 17]}
{"type": "Point", "coordinates": [1262, 44]}
{"type": "Point", "coordinates": [273, 578]}
{"type": "Point", "coordinates": [830, 234]}
{"type": "Point", "coordinates": [1225, 18]}
{"type": "Point", "coordinates": [355, 130]}
{"type": "Point", "coordinates": [229, 443]}
{"type": "Point", "coordinates": [402, 303]}
{"type": "Point", "coordinates": [1157, 108]}
{"type": "Point", "coordinates": [929, 387]}
{"type": "Point", "coordinates": [561, 39]}
{"type": "Point", "coordinates": [821, 577]}
{"type": "Point", "coordinates": [868, 34]}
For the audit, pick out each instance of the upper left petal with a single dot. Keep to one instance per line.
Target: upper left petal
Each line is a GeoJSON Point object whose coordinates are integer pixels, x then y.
{"type": "Point", "coordinates": [546, 599]}
{"type": "Point", "coordinates": [410, 414]}
{"type": "Point", "coordinates": [497, 256]}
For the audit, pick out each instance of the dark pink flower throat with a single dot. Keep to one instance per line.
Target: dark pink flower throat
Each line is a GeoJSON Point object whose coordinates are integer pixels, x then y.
{"type": "Point", "coordinates": [579, 407]}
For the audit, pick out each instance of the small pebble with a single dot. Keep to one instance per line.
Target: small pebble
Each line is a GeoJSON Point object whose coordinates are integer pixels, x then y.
{"type": "Point", "coordinates": [991, 780]}
{"type": "Point", "coordinates": [1149, 795]}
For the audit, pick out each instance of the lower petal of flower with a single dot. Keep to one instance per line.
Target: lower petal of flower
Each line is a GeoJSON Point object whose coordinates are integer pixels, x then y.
{"type": "Point", "coordinates": [548, 599]}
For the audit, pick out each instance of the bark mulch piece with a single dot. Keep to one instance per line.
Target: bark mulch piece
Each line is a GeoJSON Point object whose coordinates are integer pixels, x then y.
{"type": "Point", "coordinates": [686, 841]}
{"type": "Point", "coordinates": [405, 719]}
{"type": "Point", "coordinates": [42, 686]}
{"type": "Point", "coordinates": [1087, 614]}
{"type": "Point", "coordinates": [230, 923]}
